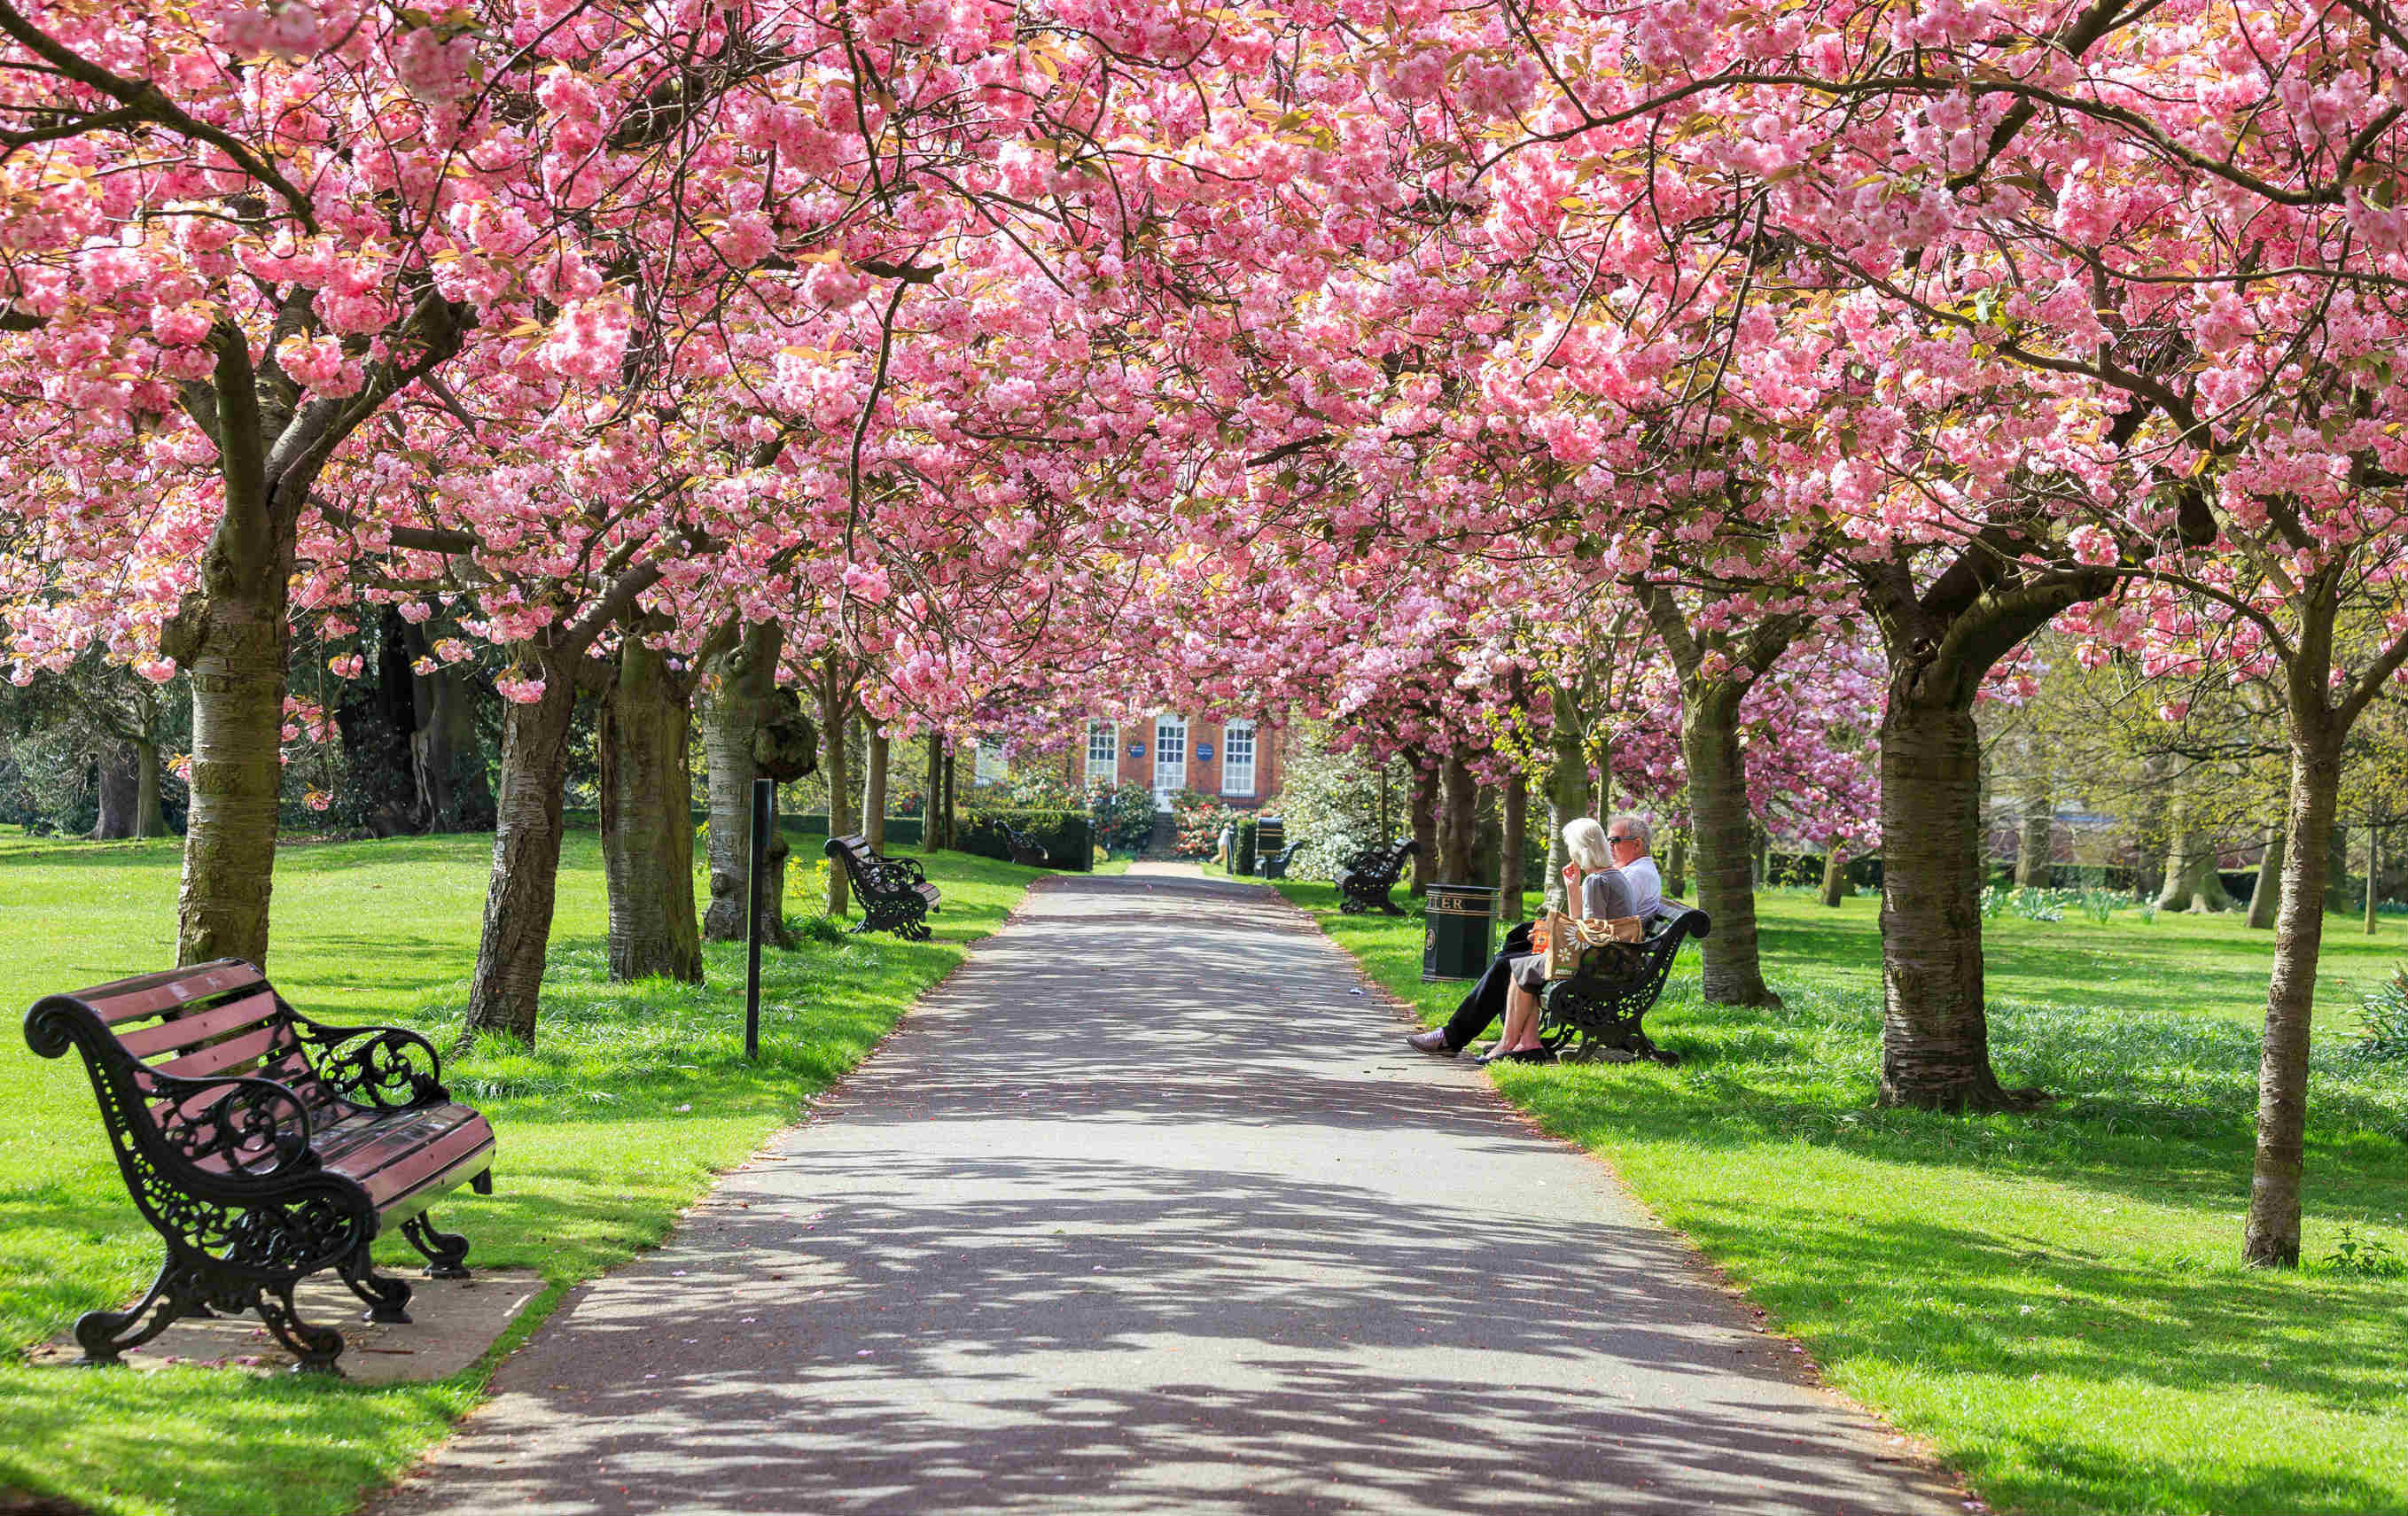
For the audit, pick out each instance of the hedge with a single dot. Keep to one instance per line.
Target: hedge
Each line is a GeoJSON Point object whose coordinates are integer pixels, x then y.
{"type": "Point", "coordinates": [1069, 835]}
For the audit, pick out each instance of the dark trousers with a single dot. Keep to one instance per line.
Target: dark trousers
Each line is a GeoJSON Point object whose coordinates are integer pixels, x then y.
{"type": "Point", "coordinates": [1486, 1001]}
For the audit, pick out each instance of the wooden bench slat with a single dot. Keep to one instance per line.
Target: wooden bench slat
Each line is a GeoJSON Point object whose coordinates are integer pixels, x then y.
{"type": "Point", "coordinates": [187, 1031]}
{"type": "Point", "coordinates": [147, 994]}
{"type": "Point", "coordinates": [233, 1054]}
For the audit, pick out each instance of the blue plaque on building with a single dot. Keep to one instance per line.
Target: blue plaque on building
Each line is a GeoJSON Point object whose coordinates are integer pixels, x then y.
{"type": "Point", "coordinates": [1137, 749]}
{"type": "Point", "coordinates": [1203, 753]}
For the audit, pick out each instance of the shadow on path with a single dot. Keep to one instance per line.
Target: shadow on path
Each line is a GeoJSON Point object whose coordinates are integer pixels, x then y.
{"type": "Point", "coordinates": [1146, 1209]}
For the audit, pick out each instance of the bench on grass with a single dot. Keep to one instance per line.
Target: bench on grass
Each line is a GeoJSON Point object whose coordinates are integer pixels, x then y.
{"type": "Point", "coordinates": [1597, 1013]}
{"type": "Point", "coordinates": [264, 1147]}
{"type": "Point", "coordinates": [1275, 866]}
{"type": "Point", "coordinates": [1025, 849]}
{"type": "Point", "coordinates": [1365, 879]}
{"type": "Point", "coordinates": [895, 893]}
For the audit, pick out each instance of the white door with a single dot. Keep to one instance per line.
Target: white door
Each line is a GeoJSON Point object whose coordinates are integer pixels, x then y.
{"type": "Point", "coordinates": [1169, 758]}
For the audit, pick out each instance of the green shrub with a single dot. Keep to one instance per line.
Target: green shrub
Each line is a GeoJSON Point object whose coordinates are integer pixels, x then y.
{"type": "Point", "coordinates": [1241, 860]}
{"type": "Point", "coordinates": [2385, 1038]}
{"type": "Point", "coordinates": [1067, 837]}
{"type": "Point", "coordinates": [1198, 819]}
{"type": "Point", "coordinates": [1123, 816]}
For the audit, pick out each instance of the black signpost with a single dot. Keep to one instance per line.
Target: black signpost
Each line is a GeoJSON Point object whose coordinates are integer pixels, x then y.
{"type": "Point", "coordinates": [764, 794]}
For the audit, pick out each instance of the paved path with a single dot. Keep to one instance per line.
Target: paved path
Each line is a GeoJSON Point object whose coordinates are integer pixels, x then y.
{"type": "Point", "coordinates": [1149, 1209]}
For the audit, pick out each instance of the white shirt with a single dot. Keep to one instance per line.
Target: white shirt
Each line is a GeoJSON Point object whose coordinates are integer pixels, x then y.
{"type": "Point", "coordinates": [1646, 887]}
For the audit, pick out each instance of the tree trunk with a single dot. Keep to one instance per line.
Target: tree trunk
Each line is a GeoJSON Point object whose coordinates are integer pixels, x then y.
{"type": "Point", "coordinates": [873, 793]}
{"type": "Point", "coordinates": [2267, 895]}
{"type": "Point", "coordinates": [1426, 792]}
{"type": "Point", "coordinates": [1566, 791]}
{"type": "Point", "coordinates": [1459, 799]}
{"type": "Point", "coordinates": [834, 696]}
{"type": "Point", "coordinates": [2337, 869]}
{"type": "Point", "coordinates": [1935, 1035]}
{"type": "Point", "coordinates": [1835, 878]}
{"type": "Point", "coordinates": [120, 786]}
{"type": "Point", "coordinates": [150, 817]}
{"type": "Point", "coordinates": [647, 836]}
{"type": "Point", "coordinates": [455, 793]}
{"type": "Point", "coordinates": [1509, 846]}
{"type": "Point", "coordinates": [238, 658]}
{"type": "Point", "coordinates": [1676, 867]}
{"type": "Point", "coordinates": [509, 977]}
{"type": "Point", "coordinates": [1718, 818]}
{"type": "Point", "coordinates": [737, 695]}
{"type": "Point", "coordinates": [2272, 1235]}
{"type": "Point", "coordinates": [2036, 849]}
{"type": "Point", "coordinates": [952, 764]}
{"type": "Point", "coordinates": [2191, 881]}
{"type": "Point", "coordinates": [2373, 868]}
{"type": "Point", "coordinates": [932, 836]}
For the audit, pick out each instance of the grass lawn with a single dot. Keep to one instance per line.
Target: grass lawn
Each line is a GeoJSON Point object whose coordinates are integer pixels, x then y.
{"type": "Point", "coordinates": [2052, 1299]}
{"type": "Point", "coordinates": [633, 1097]}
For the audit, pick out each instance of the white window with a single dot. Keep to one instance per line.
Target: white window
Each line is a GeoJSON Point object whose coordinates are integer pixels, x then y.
{"type": "Point", "coordinates": [1103, 753]}
{"type": "Point", "coordinates": [1169, 758]}
{"type": "Point", "coordinates": [990, 768]}
{"type": "Point", "coordinates": [1237, 758]}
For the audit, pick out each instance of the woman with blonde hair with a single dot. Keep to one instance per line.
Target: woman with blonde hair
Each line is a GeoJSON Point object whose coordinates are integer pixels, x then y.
{"type": "Point", "coordinates": [1594, 890]}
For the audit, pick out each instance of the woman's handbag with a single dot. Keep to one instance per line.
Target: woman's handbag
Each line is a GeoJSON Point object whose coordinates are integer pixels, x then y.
{"type": "Point", "coordinates": [1569, 937]}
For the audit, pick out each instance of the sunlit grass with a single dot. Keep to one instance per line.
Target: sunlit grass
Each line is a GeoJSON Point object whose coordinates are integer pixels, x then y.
{"type": "Point", "coordinates": [634, 1096]}
{"type": "Point", "coordinates": [2053, 1300]}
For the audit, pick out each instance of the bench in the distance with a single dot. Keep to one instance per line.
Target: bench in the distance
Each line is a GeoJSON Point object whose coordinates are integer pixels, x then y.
{"type": "Point", "coordinates": [895, 893]}
{"type": "Point", "coordinates": [1365, 879]}
{"type": "Point", "coordinates": [264, 1147]}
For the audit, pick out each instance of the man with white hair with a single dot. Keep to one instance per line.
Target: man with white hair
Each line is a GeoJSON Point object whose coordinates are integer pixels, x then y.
{"type": "Point", "coordinates": [1633, 876]}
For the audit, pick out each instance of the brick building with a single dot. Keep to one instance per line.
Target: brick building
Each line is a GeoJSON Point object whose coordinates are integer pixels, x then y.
{"type": "Point", "coordinates": [1237, 761]}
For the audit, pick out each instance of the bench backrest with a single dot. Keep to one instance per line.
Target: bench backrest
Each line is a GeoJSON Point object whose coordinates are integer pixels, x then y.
{"type": "Point", "coordinates": [864, 866]}
{"type": "Point", "coordinates": [181, 1059]}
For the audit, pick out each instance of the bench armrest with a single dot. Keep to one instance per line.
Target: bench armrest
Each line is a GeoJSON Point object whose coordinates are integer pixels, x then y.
{"type": "Point", "coordinates": [382, 1067]}
{"type": "Point", "coordinates": [256, 1128]}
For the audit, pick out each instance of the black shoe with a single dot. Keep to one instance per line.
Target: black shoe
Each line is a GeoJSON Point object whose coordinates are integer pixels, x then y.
{"type": "Point", "coordinates": [1524, 1055]}
{"type": "Point", "coordinates": [1432, 1042]}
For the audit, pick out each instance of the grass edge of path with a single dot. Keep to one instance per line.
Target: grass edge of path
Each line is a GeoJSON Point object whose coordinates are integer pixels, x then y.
{"type": "Point", "coordinates": [605, 1148]}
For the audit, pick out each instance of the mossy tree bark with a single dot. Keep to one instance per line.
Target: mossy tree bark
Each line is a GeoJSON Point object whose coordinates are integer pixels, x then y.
{"type": "Point", "coordinates": [150, 817]}
{"type": "Point", "coordinates": [503, 990]}
{"type": "Point", "coordinates": [1426, 796]}
{"type": "Point", "coordinates": [1459, 800]}
{"type": "Point", "coordinates": [835, 719]}
{"type": "Point", "coordinates": [119, 786]}
{"type": "Point", "coordinates": [1940, 636]}
{"type": "Point", "coordinates": [1567, 787]}
{"type": "Point", "coordinates": [647, 718]}
{"type": "Point", "coordinates": [2035, 842]}
{"type": "Point", "coordinates": [932, 836]}
{"type": "Point", "coordinates": [2271, 1235]}
{"type": "Point", "coordinates": [504, 987]}
{"type": "Point", "coordinates": [738, 686]}
{"type": "Point", "coordinates": [873, 792]}
{"type": "Point", "coordinates": [232, 634]}
{"type": "Point", "coordinates": [2267, 895]}
{"type": "Point", "coordinates": [2192, 884]}
{"type": "Point", "coordinates": [1715, 666]}
{"type": "Point", "coordinates": [2373, 872]}
{"type": "Point", "coordinates": [1835, 877]}
{"type": "Point", "coordinates": [1517, 824]}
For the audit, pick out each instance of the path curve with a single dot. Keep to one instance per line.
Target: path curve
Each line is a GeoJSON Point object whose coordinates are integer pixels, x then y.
{"type": "Point", "coordinates": [1149, 1209]}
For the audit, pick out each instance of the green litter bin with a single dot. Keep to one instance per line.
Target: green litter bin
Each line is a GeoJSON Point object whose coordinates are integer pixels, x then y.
{"type": "Point", "coordinates": [1454, 944]}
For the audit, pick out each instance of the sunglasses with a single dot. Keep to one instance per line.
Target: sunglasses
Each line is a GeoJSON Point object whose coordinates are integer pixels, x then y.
{"type": "Point", "coordinates": [1623, 838]}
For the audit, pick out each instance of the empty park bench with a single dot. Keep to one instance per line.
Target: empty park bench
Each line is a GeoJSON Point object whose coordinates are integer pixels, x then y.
{"type": "Point", "coordinates": [1597, 1013]}
{"type": "Point", "coordinates": [1275, 866]}
{"type": "Point", "coordinates": [264, 1147]}
{"type": "Point", "coordinates": [895, 893]}
{"type": "Point", "coordinates": [1365, 879]}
